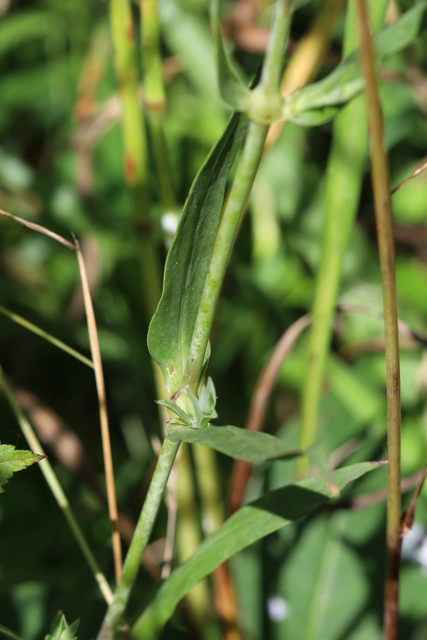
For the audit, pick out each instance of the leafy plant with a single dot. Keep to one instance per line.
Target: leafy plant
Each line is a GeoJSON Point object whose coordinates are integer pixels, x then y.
{"type": "Point", "coordinates": [12, 461]}
{"type": "Point", "coordinates": [294, 495]}
{"type": "Point", "coordinates": [61, 630]}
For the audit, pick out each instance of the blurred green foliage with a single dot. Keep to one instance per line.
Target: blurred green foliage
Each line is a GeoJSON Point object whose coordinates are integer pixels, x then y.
{"type": "Point", "coordinates": [61, 166]}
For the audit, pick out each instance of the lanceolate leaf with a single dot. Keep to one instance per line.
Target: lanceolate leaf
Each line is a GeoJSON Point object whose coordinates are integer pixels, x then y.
{"type": "Point", "coordinates": [251, 523]}
{"type": "Point", "coordinates": [233, 91]}
{"type": "Point", "coordinates": [345, 81]}
{"type": "Point", "coordinates": [252, 446]}
{"type": "Point", "coordinates": [187, 264]}
{"type": "Point", "coordinates": [12, 461]}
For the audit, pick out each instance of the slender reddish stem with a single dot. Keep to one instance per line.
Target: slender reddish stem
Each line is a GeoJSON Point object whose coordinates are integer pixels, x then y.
{"type": "Point", "coordinates": [381, 187]}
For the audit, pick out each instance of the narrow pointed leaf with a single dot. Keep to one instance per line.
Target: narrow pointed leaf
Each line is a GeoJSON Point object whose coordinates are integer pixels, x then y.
{"type": "Point", "coordinates": [252, 446]}
{"type": "Point", "coordinates": [345, 81]}
{"type": "Point", "coordinates": [173, 408]}
{"type": "Point", "coordinates": [187, 264]}
{"type": "Point", "coordinates": [47, 336]}
{"type": "Point", "coordinates": [233, 91]}
{"type": "Point", "coordinates": [251, 523]}
{"type": "Point", "coordinates": [12, 460]}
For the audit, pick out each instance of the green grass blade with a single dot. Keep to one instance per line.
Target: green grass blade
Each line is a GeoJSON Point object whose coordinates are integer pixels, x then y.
{"type": "Point", "coordinates": [55, 487]}
{"type": "Point", "coordinates": [47, 336]}
{"type": "Point", "coordinates": [254, 521]}
{"type": "Point", "coordinates": [7, 633]}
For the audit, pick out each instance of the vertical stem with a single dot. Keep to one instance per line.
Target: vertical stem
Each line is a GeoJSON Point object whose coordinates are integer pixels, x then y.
{"type": "Point", "coordinates": [307, 59]}
{"type": "Point", "coordinates": [135, 145]}
{"type": "Point", "coordinates": [342, 192]}
{"type": "Point", "coordinates": [269, 89]}
{"type": "Point", "coordinates": [140, 540]}
{"type": "Point", "coordinates": [103, 416]}
{"type": "Point", "coordinates": [381, 187]}
{"type": "Point", "coordinates": [274, 56]}
{"type": "Point", "coordinates": [155, 101]}
{"type": "Point", "coordinates": [187, 530]}
{"type": "Point", "coordinates": [188, 533]}
{"type": "Point", "coordinates": [245, 175]}
{"type": "Point", "coordinates": [135, 149]}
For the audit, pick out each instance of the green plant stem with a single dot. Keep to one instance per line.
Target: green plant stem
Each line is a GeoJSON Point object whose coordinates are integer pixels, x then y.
{"type": "Point", "coordinates": [342, 191]}
{"type": "Point", "coordinates": [135, 146]}
{"type": "Point", "coordinates": [274, 56]}
{"type": "Point", "coordinates": [135, 149]}
{"type": "Point", "coordinates": [383, 216]}
{"type": "Point", "coordinates": [155, 101]}
{"type": "Point", "coordinates": [236, 204]}
{"type": "Point", "coordinates": [242, 184]}
{"type": "Point", "coordinates": [56, 488]}
{"type": "Point", "coordinates": [269, 91]}
{"type": "Point", "coordinates": [188, 536]}
{"type": "Point", "coordinates": [187, 531]}
{"type": "Point", "coordinates": [136, 162]}
{"type": "Point", "coordinates": [140, 540]}
{"type": "Point", "coordinates": [162, 163]}
{"type": "Point", "coordinates": [154, 90]}
{"type": "Point", "coordinates": [210, 499]}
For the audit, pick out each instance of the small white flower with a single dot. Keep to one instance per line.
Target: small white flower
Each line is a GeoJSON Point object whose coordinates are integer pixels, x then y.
{"type": "Point", "coordinates": [170, 223]}
{"type": "Point", "coordinates": [278, 608]}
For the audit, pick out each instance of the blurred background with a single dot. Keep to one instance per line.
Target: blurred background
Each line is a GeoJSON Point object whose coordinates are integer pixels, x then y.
{"type": "Point", "coordinates": [61, 166]}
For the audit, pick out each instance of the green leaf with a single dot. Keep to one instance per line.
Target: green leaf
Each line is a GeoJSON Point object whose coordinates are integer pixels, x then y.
{"type": "Point", "coordinates": [253, 446]}
{"type": "Point", "coordinates": [60, 630]}
{"type": "Point", "coordinates": [207, 398]}
{"type": "Point", "coordinates": [187, 264]}
{"type": "Point", "coordinates": [315, 117]}
{"type": "Point", "coordinates": [187, 35]}
{"type": "Point", "coordinates": [344, 83]}
{"type": "Point", "coordinates": [335, 585]}
{"type": "Point", "coordinates": [361, 398]}
{"type": "Point", "coordinates": [232, 89]}
{"type": "Point", "coordinates": [12, 461]}
{"type": "Point", "coordinates": [251, 523]}
{"type": "Point", "coordinates": [19, 29]}
{"type": "Point", "coordinates": [176, 410]}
